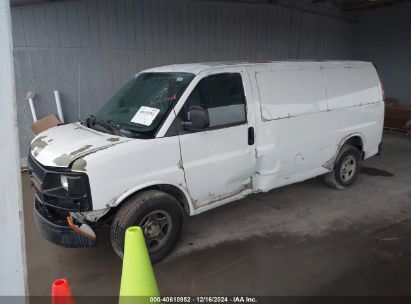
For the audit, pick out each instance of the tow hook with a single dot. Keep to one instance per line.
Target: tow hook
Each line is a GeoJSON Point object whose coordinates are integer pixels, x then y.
{"type": "Point", "coordinates": [84, 229]}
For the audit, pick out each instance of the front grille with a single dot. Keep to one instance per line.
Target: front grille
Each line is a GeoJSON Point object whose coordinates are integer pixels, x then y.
{"type": "Point", "coordinates": [46, 181]}
{"type": "Point", "coordinates": [35, 168]}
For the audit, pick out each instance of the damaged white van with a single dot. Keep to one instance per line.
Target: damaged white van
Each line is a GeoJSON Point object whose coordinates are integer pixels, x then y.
{"type": "Point", "coordinates": [183, 139]}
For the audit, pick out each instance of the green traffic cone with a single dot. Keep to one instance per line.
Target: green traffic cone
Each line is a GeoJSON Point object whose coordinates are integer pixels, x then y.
{"type": "Point", "coordinates": [138, 283]}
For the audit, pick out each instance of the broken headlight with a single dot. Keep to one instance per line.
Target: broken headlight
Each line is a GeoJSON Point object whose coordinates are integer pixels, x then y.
{"type": "Point", "coordinates": [67, 190]}
{"type": "Point", "coordinates": [74, 184]}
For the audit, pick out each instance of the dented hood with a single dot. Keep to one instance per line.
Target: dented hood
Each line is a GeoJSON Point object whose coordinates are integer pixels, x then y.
{"type": "Point", "coordinates": [59, 146]}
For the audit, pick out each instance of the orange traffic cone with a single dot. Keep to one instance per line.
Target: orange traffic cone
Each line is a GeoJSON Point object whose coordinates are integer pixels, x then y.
{"type": "Point", "coordinates": [61, 293]}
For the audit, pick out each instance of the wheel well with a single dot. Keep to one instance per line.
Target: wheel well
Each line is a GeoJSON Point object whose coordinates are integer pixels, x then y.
{"type": "Point", "coordinates": [170, 189]}
{"type": "Point", "coordinates": [356, 141]}
{"type": "Point", "coordinates": [177, 194]}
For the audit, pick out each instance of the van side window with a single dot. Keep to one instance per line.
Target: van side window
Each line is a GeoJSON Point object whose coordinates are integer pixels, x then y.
{"type": "Point", "coordinates": [223, 96]}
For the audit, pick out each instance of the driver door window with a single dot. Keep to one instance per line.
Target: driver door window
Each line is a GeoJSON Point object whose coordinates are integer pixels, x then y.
{"type": "Point", "coordinates": [222, 95]}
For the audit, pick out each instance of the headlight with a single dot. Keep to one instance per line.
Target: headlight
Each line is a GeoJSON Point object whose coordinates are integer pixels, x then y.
{"type": "Point", "coordinates": [64, 182]}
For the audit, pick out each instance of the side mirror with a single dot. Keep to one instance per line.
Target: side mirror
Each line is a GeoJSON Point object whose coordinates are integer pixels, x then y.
{"type": "Point", "coordinates": [197, 119]}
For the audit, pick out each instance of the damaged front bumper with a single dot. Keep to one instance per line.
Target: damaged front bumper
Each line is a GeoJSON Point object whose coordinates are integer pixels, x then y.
{"type": "Point", "coordinates": [60, 231]}
{"type": "Point", "coordinates": [54, 205]}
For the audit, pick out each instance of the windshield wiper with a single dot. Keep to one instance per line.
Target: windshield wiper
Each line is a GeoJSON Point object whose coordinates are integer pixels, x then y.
{"type": "Point", "coordinates": [93, 123]}
{"type": "Point", "coordinates": [132, 133]}
{"type": "Point", "coordinates": [112, 124]}
{"type": "Point", "coordinates": [111, 127]}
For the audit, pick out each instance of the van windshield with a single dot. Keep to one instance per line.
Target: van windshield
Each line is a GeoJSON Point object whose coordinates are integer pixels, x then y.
{"type": "Point", "coordinates": [144, 102]}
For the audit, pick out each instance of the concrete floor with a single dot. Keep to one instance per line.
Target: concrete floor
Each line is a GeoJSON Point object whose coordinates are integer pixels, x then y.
{"type": "Point", "coordinates": [303, 239]}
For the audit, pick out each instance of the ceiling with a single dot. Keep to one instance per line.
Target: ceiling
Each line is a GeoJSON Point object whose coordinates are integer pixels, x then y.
{"type": "Point", "coordinates": [342, 5]}
{"type": "Point", "coordinates": [351, 5]}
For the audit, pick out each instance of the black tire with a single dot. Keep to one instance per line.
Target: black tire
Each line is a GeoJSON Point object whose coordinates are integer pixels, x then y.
{"type": "Point", "coordinates": [342, 175]}
{"type": "Point", "coordinates": [148, 206]}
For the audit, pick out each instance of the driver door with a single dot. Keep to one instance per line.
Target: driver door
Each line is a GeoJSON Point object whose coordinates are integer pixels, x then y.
{"type": "Point", "coordinates": [219, 160]}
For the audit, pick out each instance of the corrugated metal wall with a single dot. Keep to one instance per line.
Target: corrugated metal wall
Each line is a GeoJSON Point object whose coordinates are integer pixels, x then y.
{"type": "Point", "coordinates": [88, 49]}
{"type": "Point", "coordinates": [384, 37]}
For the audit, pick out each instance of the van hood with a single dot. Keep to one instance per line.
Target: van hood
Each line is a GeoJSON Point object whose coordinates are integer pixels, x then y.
{"type": "Point", "coordinates": [61, 145]}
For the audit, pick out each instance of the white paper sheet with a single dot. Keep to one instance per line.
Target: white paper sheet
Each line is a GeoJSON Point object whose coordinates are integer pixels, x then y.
{"type": "Point", "coordinates": [145, 116]}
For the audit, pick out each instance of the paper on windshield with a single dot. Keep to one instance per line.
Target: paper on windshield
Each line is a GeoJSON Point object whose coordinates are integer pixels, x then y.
{"type": "Point", "coordinates": [145, 116]}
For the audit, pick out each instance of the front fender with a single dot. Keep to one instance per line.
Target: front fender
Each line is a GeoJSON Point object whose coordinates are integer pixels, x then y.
{"type": "Point", "coordinates": [118, 200]}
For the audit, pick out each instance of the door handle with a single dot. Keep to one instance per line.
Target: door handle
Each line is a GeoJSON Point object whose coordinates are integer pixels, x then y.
{"type": "Point", "coordinates": [251, 136]}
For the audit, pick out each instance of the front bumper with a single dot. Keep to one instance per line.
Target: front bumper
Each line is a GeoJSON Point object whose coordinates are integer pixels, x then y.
{"type": "Point", "coordinates": [57, 231]}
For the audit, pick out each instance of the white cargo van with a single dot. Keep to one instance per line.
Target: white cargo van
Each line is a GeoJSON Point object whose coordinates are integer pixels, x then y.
{"type": "Point", "coordinates": [183, 139]}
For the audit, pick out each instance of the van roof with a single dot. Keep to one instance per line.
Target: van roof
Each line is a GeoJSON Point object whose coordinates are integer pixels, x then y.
{"type": "Point", "coordinates": [196, 68]}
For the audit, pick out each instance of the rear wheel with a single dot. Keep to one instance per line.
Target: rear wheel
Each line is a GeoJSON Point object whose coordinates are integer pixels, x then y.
{"type": "Point", "coordinates": [160, 217]}
{"type": "Point", "coordinates": [346, 168]}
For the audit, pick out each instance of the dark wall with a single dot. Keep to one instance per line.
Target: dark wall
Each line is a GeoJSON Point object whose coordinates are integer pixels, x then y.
{"type": "Point", "coordinates": [384, 37]}
{"type": "Point", "coordinates": [87, 49]}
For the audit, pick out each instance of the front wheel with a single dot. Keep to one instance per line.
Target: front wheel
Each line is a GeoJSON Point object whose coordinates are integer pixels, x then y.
{"type": "Point", "coordinates": [346, 168]}
{"type": "Point", "coordinates": [160, 217]}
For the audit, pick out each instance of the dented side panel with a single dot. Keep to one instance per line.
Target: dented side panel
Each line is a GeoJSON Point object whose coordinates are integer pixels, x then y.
{"type": "Point", "coordinates": [298, 147]}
